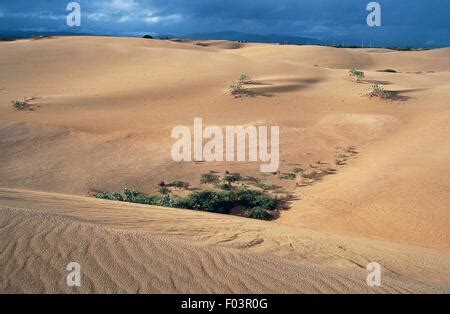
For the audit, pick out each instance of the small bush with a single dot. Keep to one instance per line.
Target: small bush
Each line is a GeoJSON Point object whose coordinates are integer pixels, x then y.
{"type": "Point", "coordinates": [232, 177]}
{"type": "Point", "coordinates": [20, 104]}
{"type": "Point", "coordinates": [297, 170]}
{"type": "Point", "coordinates": [245, 79]}
{"type": "Point", "coordinates": [258, 213]}
{"type": "Point", "coordinates": [237, 89]}
{"type": "Point", "coordinates": [288, 176]}
{"type": "Point", "coordinates": [356, 74]}
{"type": "Point", "coordinates": [378, 91]}
{"type": "Point", "coordinates": [180, 184]}
{"type": "Point", "coordinates": [209, 178]}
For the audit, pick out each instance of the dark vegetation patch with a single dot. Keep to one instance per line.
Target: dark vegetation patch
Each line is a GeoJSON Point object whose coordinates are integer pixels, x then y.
{"type": "Point", "coordinates": [256, 204]}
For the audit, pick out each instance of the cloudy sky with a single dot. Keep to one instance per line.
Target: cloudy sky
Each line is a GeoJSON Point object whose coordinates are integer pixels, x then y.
{"type": "Point", "coordinates": [404, 22]}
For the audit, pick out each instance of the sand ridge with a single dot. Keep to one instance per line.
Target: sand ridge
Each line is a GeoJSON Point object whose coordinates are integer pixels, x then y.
{"type": "Point", "coordinates": [218, 253]}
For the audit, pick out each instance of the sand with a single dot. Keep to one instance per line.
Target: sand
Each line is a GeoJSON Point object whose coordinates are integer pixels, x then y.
{"type": "Point", "coordinates": [101, 121]}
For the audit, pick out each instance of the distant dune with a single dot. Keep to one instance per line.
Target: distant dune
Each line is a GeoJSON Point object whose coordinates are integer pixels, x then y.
{"type": "Point", "coordinates": [101, 113]}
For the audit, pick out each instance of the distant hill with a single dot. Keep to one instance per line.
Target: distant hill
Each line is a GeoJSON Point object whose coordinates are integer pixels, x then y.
{"type": "Point", "coordinates": [244, 37]}
{"type": "Point", "coordinates": [10, 34]}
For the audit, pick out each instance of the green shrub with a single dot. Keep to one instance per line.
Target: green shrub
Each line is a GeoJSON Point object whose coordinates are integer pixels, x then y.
{"type": "Point", "coordinates": [250, 198]}
{"type": "Point", "coordinates": [232, 177]}
{"type": "Point", "coordinates": [288, 176]}
{"type": "Point", "coordinates": [258, 213]}
{"type": "Point", "coordinates": [297, 170]}
{"type": "Point", "coordinates": [209, 178]}
{"type": "Point", "coordinates": [356, 74]}
{"type": "Point", "coordinates": [217, 202]}
{"type": "Point", "coordinates": [111, 197]}
{"type": "Point", "coordinates": [133, 196]}
{"type": "Point", "coordinates": [208, 201]}
{"type": "Point", "coordinates": [180, 184]}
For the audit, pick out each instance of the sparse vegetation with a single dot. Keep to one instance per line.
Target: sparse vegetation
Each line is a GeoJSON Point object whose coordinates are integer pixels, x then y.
{"type": "Point", "coordinates": [245, 79]}
{"type": "Point", "coordinates": [237, 89]}
{"type": "Point", "coordinates": [232, 177]}
{"type": "Point", "coordinates": [22, 104]}
{"type": "Point", "coordinates": [297, 170]}
{"type": "Point", "coordinates": [356, 75]}
{"type": "Point", "coordinates": [179, 184]}
{"type": "Point", "coordinates": [209, 178]}
{"type": "Point", "coordinates": [378, 91]}
{"type": "Point", "coordinates": [288, 176]}
{"type": "Point", "coordinates": [267, 187]}
{"type": "Point", "coordinates": [313, 175]}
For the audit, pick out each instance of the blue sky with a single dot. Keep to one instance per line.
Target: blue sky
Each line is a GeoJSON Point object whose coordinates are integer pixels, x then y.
{"type": "Point", "coordinates": [404, 22]}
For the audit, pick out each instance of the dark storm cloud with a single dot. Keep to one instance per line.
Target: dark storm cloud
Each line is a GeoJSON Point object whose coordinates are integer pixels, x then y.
{"type": "Point", "coordinates": [415, 21]}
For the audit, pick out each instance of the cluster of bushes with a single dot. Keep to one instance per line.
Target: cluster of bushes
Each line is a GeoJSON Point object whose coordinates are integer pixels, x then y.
{"type": "Point", "coordinates": [257, 204]}
{"type": "Point", "coordinates": [225, 183]}
{"type": "Point", "coordinates": [375, 89]}
{"type": "Point", "coordinates": [378, 91]}
{"type": "Point", "coordinates": [237, 89]}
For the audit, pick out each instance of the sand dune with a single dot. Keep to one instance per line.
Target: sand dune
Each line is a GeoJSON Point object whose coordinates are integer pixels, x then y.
{"type": "Point", "coordinates": [102, 112]}
{"type": "Point", "coordinates": [134, 248]}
